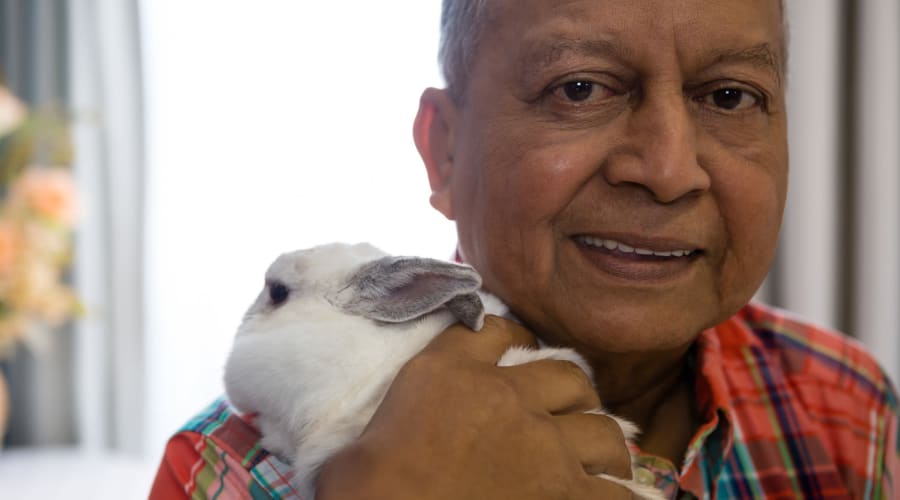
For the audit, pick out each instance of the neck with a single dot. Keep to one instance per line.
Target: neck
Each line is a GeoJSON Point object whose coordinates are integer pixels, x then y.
{"type": "Point", "coordinates": [655, 392]}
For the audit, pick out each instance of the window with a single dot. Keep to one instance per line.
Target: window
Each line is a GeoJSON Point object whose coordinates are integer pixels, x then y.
{"type": "Point", "coordinates": [272, 125]}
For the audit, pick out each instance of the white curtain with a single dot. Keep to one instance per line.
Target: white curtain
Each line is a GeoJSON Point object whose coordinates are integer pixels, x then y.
{"type": "Point", "coordinates": [839, 259]}
{"type": "Point", "coordinates": [876, 263]}
{"type": "Point", "coordinates": [108, 126]}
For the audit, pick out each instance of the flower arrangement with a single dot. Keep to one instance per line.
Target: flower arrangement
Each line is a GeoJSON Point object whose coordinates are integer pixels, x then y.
{"type": "Point", "coordinates": [37, 216]}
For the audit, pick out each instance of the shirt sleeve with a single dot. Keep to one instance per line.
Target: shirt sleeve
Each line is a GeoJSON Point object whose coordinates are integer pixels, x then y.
{"type": "Point", "coordinates": [194, 466]}
{"type": "Point", "coordinates": [175, 476]}
{"type": "Point", "coordinates": [891, 447]}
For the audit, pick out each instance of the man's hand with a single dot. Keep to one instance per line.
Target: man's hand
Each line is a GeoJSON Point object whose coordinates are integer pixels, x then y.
{"type": "Point", "coordinates": [455, 426]}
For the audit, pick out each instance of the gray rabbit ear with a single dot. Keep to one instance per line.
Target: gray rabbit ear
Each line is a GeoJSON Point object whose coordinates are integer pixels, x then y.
{"type": "Point", "coordinates": [468, 309]}
{"type": "Point", "coordinates": [398, 289]}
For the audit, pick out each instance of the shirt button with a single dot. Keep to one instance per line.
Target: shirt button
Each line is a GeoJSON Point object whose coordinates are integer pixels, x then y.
{"type": "Point", "coordinates": [645, 476]}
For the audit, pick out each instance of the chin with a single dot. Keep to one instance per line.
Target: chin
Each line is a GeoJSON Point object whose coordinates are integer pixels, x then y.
{"type": "Point", "coordinates": [623, 329]}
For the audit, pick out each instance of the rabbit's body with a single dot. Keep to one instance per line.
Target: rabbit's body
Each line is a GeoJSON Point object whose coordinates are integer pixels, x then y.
{"type": "Point", "coordinates": [318, 404]}
{"type": "Point", "coordinates": [314, 363]}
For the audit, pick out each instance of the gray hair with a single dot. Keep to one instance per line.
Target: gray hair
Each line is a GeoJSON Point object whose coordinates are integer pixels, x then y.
{"type": "Point", "coordinates": [462, 23]}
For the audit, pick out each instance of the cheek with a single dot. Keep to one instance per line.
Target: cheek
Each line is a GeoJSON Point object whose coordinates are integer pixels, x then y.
{"type": "Point", "coordinates": [751, 205]}
{"type": "Point", "coordinates": [512, 185]}
{"type": "Point", "coordinates": [533, 171]}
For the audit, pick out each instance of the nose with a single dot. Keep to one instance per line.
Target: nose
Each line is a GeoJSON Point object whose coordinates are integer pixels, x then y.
{"type": "Point", "coordinates": [659, 150]}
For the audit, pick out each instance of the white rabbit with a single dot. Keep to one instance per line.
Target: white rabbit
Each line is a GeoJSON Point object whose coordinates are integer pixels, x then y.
{"type": "Point", "coordinates": [334, 324]}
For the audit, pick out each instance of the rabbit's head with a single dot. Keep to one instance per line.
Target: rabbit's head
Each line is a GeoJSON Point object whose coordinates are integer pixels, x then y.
{"type": "Point", "coordinates": [362, 280]}
{"type": "Point", "coordinates": [336, 312]}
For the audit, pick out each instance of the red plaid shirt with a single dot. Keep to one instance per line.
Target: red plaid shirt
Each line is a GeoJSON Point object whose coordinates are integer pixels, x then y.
{"type": "Point", "coordinates": [790, 410]}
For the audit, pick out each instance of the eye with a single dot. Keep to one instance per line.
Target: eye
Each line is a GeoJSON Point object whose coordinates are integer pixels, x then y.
{"type": "Point", "coordinates": [278, 293]}
{"type": "Point", "coordinates": [577, 91]}
{"type": "Point", "coordinates": [731, 99]}
{"type": "Point", "coordinates": [580, 92]}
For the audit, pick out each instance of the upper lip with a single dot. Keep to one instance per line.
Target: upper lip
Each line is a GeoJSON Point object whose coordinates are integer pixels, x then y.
{"type": "Point", "coordinates": [654, 243]}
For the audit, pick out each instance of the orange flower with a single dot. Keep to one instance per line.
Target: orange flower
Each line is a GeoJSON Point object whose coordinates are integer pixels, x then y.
{"type": "Point", "coordinates": [47, 191]}
{"type": "Point", "coordinates": [10, 245]}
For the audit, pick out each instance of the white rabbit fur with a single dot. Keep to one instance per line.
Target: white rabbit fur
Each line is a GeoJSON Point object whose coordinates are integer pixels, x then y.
{"type": "Point", "coordinates": [313, 369]}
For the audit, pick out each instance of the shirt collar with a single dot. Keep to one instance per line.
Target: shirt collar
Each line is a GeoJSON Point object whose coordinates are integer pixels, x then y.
{"type": "Point", "coordinates": [714, 439]}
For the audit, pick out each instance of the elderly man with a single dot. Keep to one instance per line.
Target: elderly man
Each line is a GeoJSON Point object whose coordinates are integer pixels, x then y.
{"type": "Point", "coordinates": [617, 172]}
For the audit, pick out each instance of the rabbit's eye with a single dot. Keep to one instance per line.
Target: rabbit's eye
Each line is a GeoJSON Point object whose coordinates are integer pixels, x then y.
{"type": "Point", "coordinates": [278, 293]}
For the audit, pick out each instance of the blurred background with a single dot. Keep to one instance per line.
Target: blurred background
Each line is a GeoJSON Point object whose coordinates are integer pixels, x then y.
{"type": "Point", "coordinates": [156, 155]}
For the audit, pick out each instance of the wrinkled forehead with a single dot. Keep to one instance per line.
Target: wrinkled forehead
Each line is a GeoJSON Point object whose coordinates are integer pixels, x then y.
{"type": "Point", "coordinates": [498, 10]}
{"type": "Point", "coordinates": [687, 25]}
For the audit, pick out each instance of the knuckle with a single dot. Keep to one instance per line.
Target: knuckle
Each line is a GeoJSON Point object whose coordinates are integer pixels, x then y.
{"type": "Point", "coordinates": [508, 331]}
{"type": "Point", "coordinates": [503, 392]}
{"type": "Point", "coordinates": [618, 462]}
{"type": "Point", "coordinates": [620, 465]}
{"type": "Point", "coordinates": [497, 326]}
{"type": "Point", "coordinates": [494, 322]}
{"type": "Point", "coordinates": [578, 377]}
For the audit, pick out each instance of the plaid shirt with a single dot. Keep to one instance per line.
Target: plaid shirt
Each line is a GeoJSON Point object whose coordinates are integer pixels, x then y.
{"type": "Point", "coordinates": [789, 410]}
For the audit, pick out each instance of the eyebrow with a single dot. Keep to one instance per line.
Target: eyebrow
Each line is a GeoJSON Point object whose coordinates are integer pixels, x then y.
{"type": "Point", "coordinates": [761, 56]}
{"type": "Point", "coordinates": [541, 54]}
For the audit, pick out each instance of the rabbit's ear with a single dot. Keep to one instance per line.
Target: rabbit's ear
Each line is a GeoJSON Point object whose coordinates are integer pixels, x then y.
{"type": "Point", "coordinates": [398, 289]}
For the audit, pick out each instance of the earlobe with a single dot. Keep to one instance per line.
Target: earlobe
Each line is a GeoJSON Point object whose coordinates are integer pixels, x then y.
{"type": "Point", "coordinates": [433, 134]}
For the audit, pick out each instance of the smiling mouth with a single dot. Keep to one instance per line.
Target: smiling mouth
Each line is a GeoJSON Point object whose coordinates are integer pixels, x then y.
{"type": "Point", "coordinates": [649, 263]}
{"type": "Point", "coordinates": [617, 247]}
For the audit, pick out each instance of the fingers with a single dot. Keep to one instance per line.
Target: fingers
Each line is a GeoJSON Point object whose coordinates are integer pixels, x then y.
{"type": "Point", "coordinates": [553, 386]}
{"type": "Point", "coordinates": [486, 345]}
{"type": "Point", "coordinates": [598, 443]}
{"type": "Point", "coordinates": [547, 384]}
{"type": "Point", "coordinates": [560, 390]}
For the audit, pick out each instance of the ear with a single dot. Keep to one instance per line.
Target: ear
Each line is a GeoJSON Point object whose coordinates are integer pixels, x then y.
{"type": "Point", "coordinates": [433, 133]}
{"type": "Point", "coordinates": [398, 289]}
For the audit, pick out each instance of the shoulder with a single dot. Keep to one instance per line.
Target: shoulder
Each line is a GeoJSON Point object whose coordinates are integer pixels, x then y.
{"type": "Point", "coordinates": [818, 392]}
{"type": "Point", "coordinates": [218, 450]}
{"type": "Point", "coordinates": [819, 382]}
{"type": "Point", "coordinates": [804, 352]}
{"type": "Point", "coordinates": [225, 429]}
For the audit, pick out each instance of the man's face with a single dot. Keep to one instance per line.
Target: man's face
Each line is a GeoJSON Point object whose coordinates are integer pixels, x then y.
{"type": "Point", "coordinates": [617, 168]}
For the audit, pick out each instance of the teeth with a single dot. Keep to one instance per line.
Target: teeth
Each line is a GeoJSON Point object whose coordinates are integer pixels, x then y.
{"type": "Point", "coordinates": [617, 245]}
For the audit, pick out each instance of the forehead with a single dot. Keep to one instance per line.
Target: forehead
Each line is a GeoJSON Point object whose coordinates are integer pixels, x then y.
{"type": "Point", "coordinates": [689, 29]}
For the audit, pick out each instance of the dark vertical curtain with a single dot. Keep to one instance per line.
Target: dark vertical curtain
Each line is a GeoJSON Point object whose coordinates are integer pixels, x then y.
{"type": "Point", "coordinates": [34, 65]}
{"type": "Point", "coordinates": [33, 59]}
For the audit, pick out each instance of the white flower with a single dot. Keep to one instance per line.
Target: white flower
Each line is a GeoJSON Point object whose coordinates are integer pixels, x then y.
{"type": "Point", "coordinates": [12, 111]}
